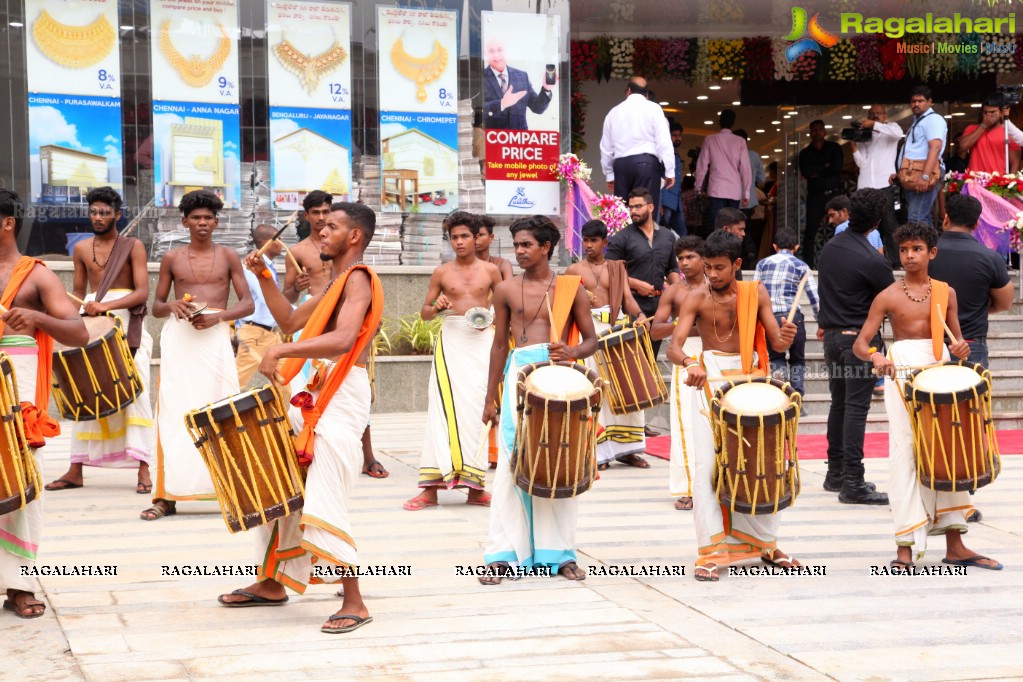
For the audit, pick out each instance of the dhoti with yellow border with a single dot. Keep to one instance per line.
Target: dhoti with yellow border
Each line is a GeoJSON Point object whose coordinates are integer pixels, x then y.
{"type": "Point", "coordinates": [680, 401]}
{"type": "Point", "coordinates": [620, 434]}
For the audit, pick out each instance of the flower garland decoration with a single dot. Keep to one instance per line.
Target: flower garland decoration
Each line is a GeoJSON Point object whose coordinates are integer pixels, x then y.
{"type": "Point", "coordinates": [701, 67]}
{"type": "Point", "coordinates": [676, 55]}
{"type": "Point", "coordinates": [804, 68]}
{"type": "Point", "coordinates": [584, 60]}
{"type": "Point", "coordinates": [579, 103]}
{"type": "Point", "coordinates": [996, 60]}
{"type": "Point", "coordinates": [727, 59]}
{"type": "Point", "coordinates": [917, 63]}
{"type": "Point", "coordinates": [842, 61]}
{"type": "Point", "coordinates": [894, 61]}
{"type": "Point", "coordinates": [967, 62]}
{"type": "Point", "coordinates": [603, 47]}
{"type": "Point", "coordinates": [648, 57]}
{"type": "Point", "coordinates": [1019, 52]}
{"type": "Point", "coordinates": [757, 54]}
{"type": "Point", "coordinates": [941, 66]}
{"type": "Point", "coordinates": [868, 58]}
{"type": "Point", "coordinates": [1007, 185]}
{"type": "Point", "coordinates": [1015, 228]}
{"type": "Point", "coordinates": [782, 66]}
{"type": "Point", "coordinates": [611, 210]}
{"type": "Point", "coordinates": [571, 167]}
{"type": "Point", "coordinates": [621, 58]}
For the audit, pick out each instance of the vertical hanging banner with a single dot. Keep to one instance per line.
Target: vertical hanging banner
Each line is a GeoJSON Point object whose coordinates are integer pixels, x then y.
{"type": "Point", "coordinates": [418, 74]}
{"type": "Point", "coordinates": [310, 86]}
{"type": "Point", "coordinates": [74, 99]}
{"type": "Point", "coordinates": [196, 123]}
{"type": "Point", "coordinates": [521, 112]}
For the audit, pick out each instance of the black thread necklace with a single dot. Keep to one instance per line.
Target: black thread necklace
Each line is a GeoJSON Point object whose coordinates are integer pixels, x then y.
{"type": "Point", "coordinates": [538, 308]}
{"type": "Point", "coordinates": [103, 265]}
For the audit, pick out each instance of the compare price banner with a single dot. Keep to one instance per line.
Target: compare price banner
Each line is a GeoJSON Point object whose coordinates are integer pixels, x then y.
{"type": "Point", "coordinates": [418, 58]}
{"type": "Point", "coordinates": [310, 72]}
{"type": "Point", "coordinates": [196, 122]}
{"type": "Point", "coordinates": [74, 101]}
{"type": "Point", "coordinates": [521, 112]}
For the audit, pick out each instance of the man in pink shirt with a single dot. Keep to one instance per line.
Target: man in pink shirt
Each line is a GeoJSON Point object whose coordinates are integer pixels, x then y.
{"type": "Point", "coordinates": [986, 141]}
{"type": "Point", "coordinates": [726, 157]}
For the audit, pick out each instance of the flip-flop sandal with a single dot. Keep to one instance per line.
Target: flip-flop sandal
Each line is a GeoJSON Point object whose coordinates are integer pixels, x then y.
{"type": "Point", "coordinates": [712, 573]}
{"type": "Point", "coordinates": [973, 562]}
{"type": "Point", "coordinates": [684, 504]}
{"type": "Point", "coordinates": [143, 489]}
{"type": "Point", "coordinates": [481, 502]}
{"type": "Point", "coordinates": [11, 605]}
{"type": "Point", "coordinates": [254, 600]}
{"type": "Point", "coordinates": [771, 561]}
{"type": "Point", "coordinates": [575, 566]}
{"type": "Point", "coordinates": [158, 512]}
{"type": "Point", "coordinates": [368, 470]}
{"type": "Point", "coordinates": [417, 504]}
{"type": "Point", "coordinates": [903, 566]}
{"type": "Point", "coordinates": [634, 461]}
{"type": "Point", "coordinates": [359, 622]}
{"type": "Point", "coordinates": [68, 485]}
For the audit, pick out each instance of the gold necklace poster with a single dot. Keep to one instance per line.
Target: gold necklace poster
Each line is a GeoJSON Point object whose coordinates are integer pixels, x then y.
{"type": "Point", "coordinates": [310, 93]}
{"type": "Point", "coordinates": [74, 98]}
{"type": "Point", "coordinates": [418, 72]}
{"type": "Point", "coordinates": [521, 111]}
{"type": "Point", "coordinates": [196, 122]}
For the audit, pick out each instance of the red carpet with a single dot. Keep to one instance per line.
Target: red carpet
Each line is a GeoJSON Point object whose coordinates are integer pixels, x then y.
{"type": "Point", "coordinates": [815, 446]}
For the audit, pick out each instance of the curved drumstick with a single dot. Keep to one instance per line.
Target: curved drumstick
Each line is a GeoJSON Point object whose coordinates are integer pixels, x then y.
{"type": "Point", "coordinates": [291, 256]}
{"type": "Point", "coordinates": [287, 222]}
{"type": "Point", "coordinates": [799, 295]}
{"type": "Point", "coordinates": [941, 314]}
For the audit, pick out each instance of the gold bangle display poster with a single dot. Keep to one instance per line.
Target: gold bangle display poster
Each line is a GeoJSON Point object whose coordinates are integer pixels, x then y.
{"type": "Point", "coordinates": [310, 86]}
{"type": "Point", "coordinates": [521, 112]}
{"type": "Point", "coordinates": [74, 98]}
{"type": "Point", "coordinates": [418, 71]}
{"type": "Point", "coordinates": [196, 122]}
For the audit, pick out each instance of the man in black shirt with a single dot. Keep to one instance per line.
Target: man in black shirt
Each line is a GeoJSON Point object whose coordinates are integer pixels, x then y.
{"type": "Point", "coordinates": [978, 275]}
{"type": "Point", "coordinates": [820, 162]}
{"type": "Point", "coordinates": [851, 274]}
{"type": "Point", "coordinates": [648, 252]}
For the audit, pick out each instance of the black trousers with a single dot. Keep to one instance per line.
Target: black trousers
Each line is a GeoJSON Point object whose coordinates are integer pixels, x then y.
{"type": "Point", "coordinates": [815, 203]}
{"type": "Point", "coordinates": [851, 384]}
{"type": "Point", "coordinates": [640, 170]}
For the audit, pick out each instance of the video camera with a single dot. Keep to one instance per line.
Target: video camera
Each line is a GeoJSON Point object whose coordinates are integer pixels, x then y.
{"type": "Point", "coordinates": [1010, 94]}
{"type": "Point", "coordinates": [857, 133]}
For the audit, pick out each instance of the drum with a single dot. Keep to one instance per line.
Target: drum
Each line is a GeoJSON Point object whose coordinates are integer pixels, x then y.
{"type": "Point", "coordinates": [953, 431]}
{"type": "Point", "coordinates": [556, 435]}
{"type": "Point", "coordinates": [754, 422]}
{"type": "Point", "coordinates": [247, 442]}
{"type": "Point", "coordinates": [625, 358]}
{"type": "Point", "coordinates": [99, 379]}
{"type": "Point", "coordinates": [19, 475]}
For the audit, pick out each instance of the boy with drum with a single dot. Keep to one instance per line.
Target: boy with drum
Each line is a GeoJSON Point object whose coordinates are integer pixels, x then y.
{"type": "Point", "coordinates": [458, 377]}
{"type": "Point", "coordinates": [529, 532]}
{"type": "Point", "coordinates": [114, 267]}
{"type": "Point", "coordinates": [622, 437]}
{"type": "Point", "coordinates": [733, 319]}
{"type": "Point", "coordinates": [921, 311]}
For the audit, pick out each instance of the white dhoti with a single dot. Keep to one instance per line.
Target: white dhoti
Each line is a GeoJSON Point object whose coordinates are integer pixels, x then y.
{"type": "Point", "coordinates": [127, 438]}
{"type": "Point", "coordinates": [457, 390]}
{"type": "Point", "coordinates": [723, 537]}
{"type": "Point", "coordinates": [620, 434]}
{"type": "Point", "coordinates": [196, 368]}
{"type": "Point", "coordinates": [525, 530]}
{"type": "Point", "coordinates": [680, 402]}
{"type": "Point", "coordinates": [21, 531]}
{"type": "Point", "coordinates": [917, 510]}
{"type": "Point", "coordinates": [285, 549]}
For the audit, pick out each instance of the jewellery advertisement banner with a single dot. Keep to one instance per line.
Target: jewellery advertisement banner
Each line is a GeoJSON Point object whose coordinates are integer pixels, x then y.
{"type": "Point", "coordinates": [74, 99]}
{"type": "Point", "coordinates": [418, 75]}
{"type": "Point", "coordinates": [310, 83]}
{"type": "Point", "coordinates": [521, 112]}
{"type": "Point", "coordinates": [196, 123]}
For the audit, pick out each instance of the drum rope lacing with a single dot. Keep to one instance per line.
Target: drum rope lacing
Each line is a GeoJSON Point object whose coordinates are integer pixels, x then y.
{"type": "Point", "coordinates": [124, 391]}
{"type": "Point", "coordinates": [26, 471]}
{"type": "Point", "coordinates": [619, 399]}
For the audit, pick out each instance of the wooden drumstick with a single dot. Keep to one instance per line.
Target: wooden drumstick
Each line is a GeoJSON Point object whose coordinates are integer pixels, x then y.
{"type": "Point", "coordinates": [75, 299]}
{"type": "Point", "coordinates": [550, 316]}
{"type": "Point", "coordinates": [484, 440]}
{"type": "Point", "coordinates": [291, 256]}
{"type": "Point", "coordinates": [799, 295]}
{"type": "Point", "coordinates": [735, 433]}
{"type": "Point", "coordinates": [941, 314]}
{"type": "Point", "coordinates": [3, 310]}
{"type": "Point", "coordinates": [266, 246]}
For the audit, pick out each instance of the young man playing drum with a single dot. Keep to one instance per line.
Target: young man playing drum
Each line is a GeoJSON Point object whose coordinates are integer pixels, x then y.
{"type": "Point", "coordinates": [338, 326]}
{"type": "Point", "coordinates": [530, 532]}
{"type": "Point", "coordinates": [36, 311]}
{"type": "Point", "coordinates": [919, 309]}
{"type": "Point", "coordinates": [196, 361]}
{"type": "Point", "coordinates": [733, 318]}
{"type": "Point", "coordinates": [622, 437]}
{"type": "Point", "coordinates": [689, 250]}
{"type": "Point", "coordinates": [458, 378]}
{"type": "Point", "coordinates": [113, 267]}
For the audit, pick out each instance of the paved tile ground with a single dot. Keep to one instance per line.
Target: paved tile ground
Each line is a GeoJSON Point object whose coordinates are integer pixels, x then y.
{"type": "Point", "coordinates": [435, 625]}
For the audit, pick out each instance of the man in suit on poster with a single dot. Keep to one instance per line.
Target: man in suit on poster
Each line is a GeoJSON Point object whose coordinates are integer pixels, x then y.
{"type": "Point", "coordinates": [507, 92]}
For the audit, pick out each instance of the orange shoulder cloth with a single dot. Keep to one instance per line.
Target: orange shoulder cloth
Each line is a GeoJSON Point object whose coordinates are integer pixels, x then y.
{"type": "Point", "coordinates": [565, 289]}
{"type": "Point", "coordinates": [751, 332]}
{"type": "Point", "coordinates": [939, 297]}
{"type": "Point", "coordinates": [313, 410]}
{"type": "Point", "coordinates": [44, 341]}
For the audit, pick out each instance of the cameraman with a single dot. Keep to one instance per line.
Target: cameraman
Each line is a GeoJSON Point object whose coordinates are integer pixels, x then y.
{"type": "Point", "coordinates": [986, 140]}
{"type": "Point", "coordinates": [876, 161]}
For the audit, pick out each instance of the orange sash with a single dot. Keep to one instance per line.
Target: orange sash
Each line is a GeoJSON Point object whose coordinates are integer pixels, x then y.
{"type": "Point", "coordinates": [939, 299]}
{"type": "Point", "coordinates": [44, 341]}
{"type": "Point", "coordinates": [751, 332]}
{"type": "Point", "coordinates": [565, 289]}
{"type": "Point", "coordinates": [313, 410]}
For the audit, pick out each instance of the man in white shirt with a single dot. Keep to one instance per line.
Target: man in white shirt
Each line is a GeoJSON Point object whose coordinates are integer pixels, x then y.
{"type": "Point", "coordinates": [876, 161]}
{"type": "Point", "coordinates": [635, 148]}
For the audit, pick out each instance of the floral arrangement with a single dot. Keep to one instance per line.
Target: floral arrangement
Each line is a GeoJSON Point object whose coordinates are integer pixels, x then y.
{"type": "Point", "coordinates": [1019, 52]}
{"type": "Point", "coordinates": [584, 60]}
{"type": "Point", "coordinates": [579, 104]}
{"type": "Point", "coordinates": [868, 58]}
{"type": "Point", "coordinates": [782, 66]}
{"type": "Point", "coordinates": [1008, 185]}
{"type": "Point", "coordinates": [621, 58]}
{"type": "Point", "coordinates": [941, 67]}
{"type": "Point", "coordinates": [894, 61]}
{"type": "Point", "coordinates": [611, 210]}
{"type": "Point", "coordinates": [842, 61]}
{"type": "Point", "coordinates": [677, 57]}
{"type": "Point", "coordinates": [917, 63]}
{"type": "Point", "coordinates": [757, 54]}
{"type": "Point", "coordinates": [648, 57]}
{"type": "Point", "coordinates": [701, 72]}
{"type": "Point", "coordinates": [968, 64]}
{"type": "Point", "coordinates": [804, 68]}
{"type": "Point", "coordinates": [571, 167]}
{"type": "Point", "coordinates": [603, 47]}
{"type": "Point", "coordinates": [727, 59]}
{"type": "Point", "coordinates": [998, 62]}
{"type": "Point", "coordinates": [1015, 228]}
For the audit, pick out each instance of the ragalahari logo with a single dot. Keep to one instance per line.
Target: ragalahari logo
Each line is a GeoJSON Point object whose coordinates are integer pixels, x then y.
{"type": "Point", "coordinates": [818, 36]}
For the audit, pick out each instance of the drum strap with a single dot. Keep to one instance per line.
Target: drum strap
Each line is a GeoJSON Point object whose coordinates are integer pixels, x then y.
{"type": "Point", "coordinates": [618, 281]}
{"type": "Point", "coordinates": [939, 299]}
{"type": "Point", "coordinates": [751, 332]}
{"type": "Point", "coordinates": [565, 289]}
{"type": "Point", "coordinates": [118, 257]}
{"type": "Point", "coordinates": [44, 342]}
